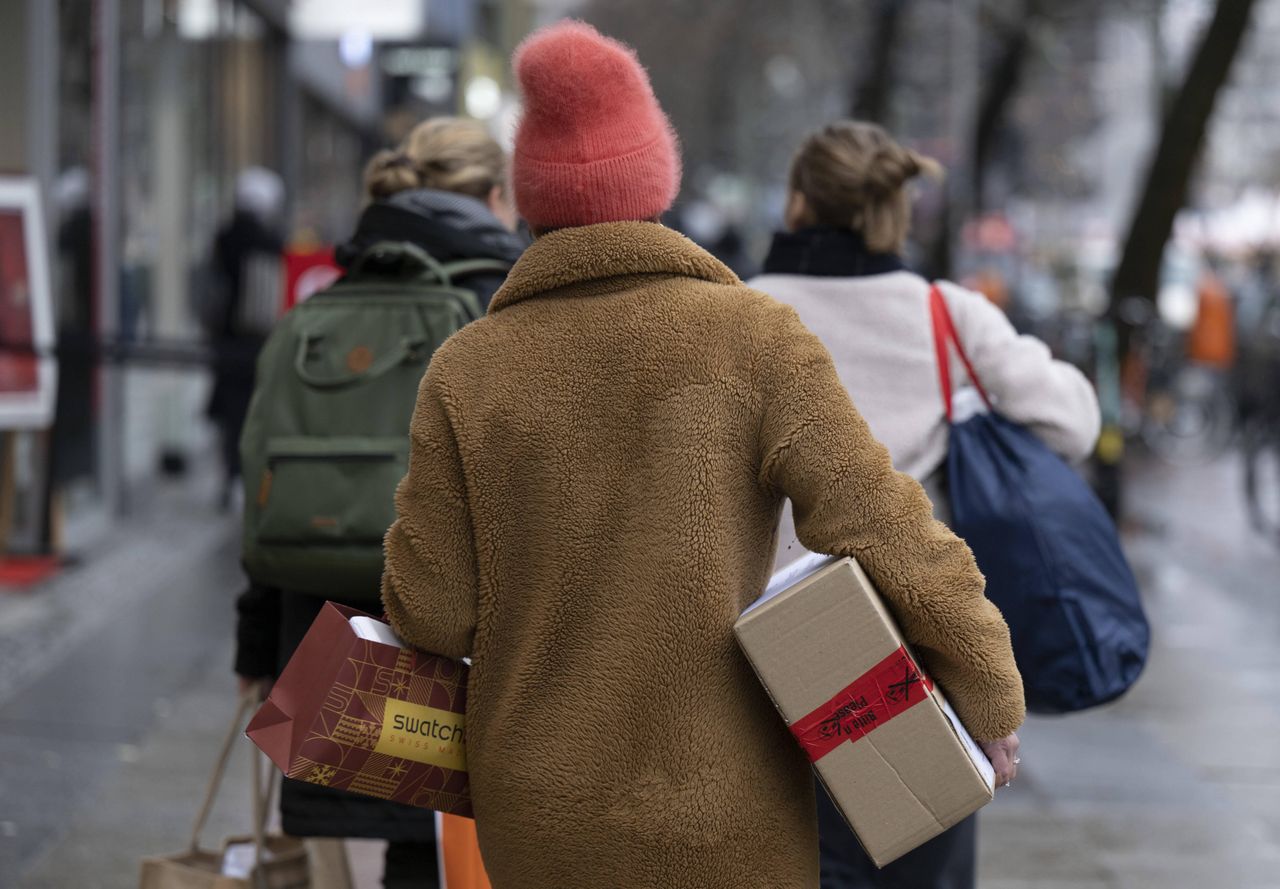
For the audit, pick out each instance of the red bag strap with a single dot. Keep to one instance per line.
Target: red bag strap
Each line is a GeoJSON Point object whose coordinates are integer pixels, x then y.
{"type": "Point", "coordinates": [944, 331]}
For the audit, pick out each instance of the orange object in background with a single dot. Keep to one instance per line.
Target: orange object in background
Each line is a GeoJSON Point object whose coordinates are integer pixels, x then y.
{"type": "Point", "coordinates": [461, 866]}
{"type": "Point", "coordinates": [991, 284]}
{"type": "Point", "coordinates": [1212, 339]}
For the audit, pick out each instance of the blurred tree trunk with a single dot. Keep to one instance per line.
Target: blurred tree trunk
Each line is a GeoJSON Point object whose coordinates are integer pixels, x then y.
{"type": "Point", "coordinates": [1169, 176]}
{"type": "Point", "coordinates": [871, 95]}
{"type": "Point", "coordinates": [999, 87]}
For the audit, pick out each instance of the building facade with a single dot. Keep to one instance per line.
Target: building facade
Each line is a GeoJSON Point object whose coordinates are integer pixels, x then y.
{"type": "Point", "coordinates": [135, 118]}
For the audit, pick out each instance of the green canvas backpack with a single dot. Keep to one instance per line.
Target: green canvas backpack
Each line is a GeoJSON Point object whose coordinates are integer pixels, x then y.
{"type": "Point", "coordinates": [326, 439]}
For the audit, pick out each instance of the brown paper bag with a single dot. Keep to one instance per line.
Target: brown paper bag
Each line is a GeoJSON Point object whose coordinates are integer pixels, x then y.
{"type": "Point", "coordinates": [277, 862]}
{"type": "Point", "coordinates": [329, 862]}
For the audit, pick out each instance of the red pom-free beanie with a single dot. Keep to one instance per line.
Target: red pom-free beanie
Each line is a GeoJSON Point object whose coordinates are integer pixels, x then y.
{"type": "Point", "coordinates": [593, 144]}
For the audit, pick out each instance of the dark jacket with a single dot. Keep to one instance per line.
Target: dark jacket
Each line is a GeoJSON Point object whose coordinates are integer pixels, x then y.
{"type": "Point", "coordinates": [272, 622]}
{"type": "Point", "coordinates": [448, 226]}
{"type": "Point", "coordinates": [244, 236]}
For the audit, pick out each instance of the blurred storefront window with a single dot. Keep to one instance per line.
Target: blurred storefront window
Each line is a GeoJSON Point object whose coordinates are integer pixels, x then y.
{"type": "Point", "coordinates": [201, 94]}
{"type": "Point", "coordinates": [199, 91]}
{"type": "Point", "coordinates": [156, 107]}
{"type": "Point", "coordinates": [329, 181]}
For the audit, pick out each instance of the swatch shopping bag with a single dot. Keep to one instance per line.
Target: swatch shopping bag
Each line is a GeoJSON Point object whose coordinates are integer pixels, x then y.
{"type": "Point", "coordinates": [356, 709]}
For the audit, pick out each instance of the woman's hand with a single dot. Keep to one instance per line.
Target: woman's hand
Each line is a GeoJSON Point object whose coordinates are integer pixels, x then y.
{"type": "Point", "coordinates": [1004, 758]}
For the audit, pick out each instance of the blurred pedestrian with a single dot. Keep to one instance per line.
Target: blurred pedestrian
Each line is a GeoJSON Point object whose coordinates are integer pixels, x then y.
{"type": "Point", "coordinates": [1257, 333]}
{"type": "Point", "coordinates": [1211, 341]}
{"type": "Point", "coordinates": [72, 439]}
{"type": "Point", "coordinates": [839, 265]}
{"type": "Point", "coordinates": [594, 485]}
{"type": "Point", "coordinates": [243, 300]}
{"type": "Point", "coordinates": [444, 192]}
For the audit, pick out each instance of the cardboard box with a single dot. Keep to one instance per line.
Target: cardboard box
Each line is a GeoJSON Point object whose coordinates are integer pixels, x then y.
{"type": "Point", "coordinates": [885, 742]}
{"type": "Point", "coordinates": [357, 709]}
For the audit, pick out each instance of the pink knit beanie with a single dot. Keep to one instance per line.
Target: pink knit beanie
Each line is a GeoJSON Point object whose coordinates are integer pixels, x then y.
{"type": "Point", "coordinates": [593, 144]}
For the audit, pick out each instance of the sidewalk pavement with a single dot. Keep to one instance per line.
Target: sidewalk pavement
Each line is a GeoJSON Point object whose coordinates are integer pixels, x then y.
{"type": "Point", "coordinates": [1176, 786]}
{"type": "Point", "coordinates": [115, 689]}
{"type": "Point", "coordinates": [115, 693]}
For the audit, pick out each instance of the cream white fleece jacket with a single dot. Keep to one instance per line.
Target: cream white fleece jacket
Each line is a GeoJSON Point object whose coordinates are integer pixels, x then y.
{"type": "Point", "coordinates": [877, 328]}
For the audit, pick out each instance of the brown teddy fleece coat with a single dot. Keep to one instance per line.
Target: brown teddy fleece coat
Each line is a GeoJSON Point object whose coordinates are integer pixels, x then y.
{"type": "Point", "coordinates": [596, 475]}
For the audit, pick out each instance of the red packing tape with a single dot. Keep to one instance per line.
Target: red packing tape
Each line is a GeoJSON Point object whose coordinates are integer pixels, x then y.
{"type": "Point", "coordinates": [891, 687]}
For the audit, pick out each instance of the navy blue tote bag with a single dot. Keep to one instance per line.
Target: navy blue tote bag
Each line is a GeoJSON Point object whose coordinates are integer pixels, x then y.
{"type": "Point", "coordinates": [1048, 548]}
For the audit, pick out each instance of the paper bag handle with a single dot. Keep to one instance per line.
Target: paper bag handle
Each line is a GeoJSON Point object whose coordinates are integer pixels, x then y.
{"type": "Point", "coordinates": [261, 800]}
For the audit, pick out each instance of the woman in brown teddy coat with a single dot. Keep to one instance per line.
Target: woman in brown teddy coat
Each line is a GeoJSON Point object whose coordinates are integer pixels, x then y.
{"type": "Point", "coordinates": [594, 486]}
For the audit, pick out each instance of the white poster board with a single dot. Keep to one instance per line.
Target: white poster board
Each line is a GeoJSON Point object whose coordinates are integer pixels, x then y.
{"type": "Point", "coordinates": [28, 369]}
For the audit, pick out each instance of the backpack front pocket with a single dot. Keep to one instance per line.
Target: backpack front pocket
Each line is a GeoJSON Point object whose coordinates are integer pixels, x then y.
{"type": "Point", "coordinates": [330, 491]}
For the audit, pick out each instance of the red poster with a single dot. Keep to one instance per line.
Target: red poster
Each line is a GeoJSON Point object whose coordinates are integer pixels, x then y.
{"type": "Point", "coordinates": [28, 372]}
{"type": "Point", "coordinates": [308, 272]}
{"type": "Point", "coordinates": [19, 371]}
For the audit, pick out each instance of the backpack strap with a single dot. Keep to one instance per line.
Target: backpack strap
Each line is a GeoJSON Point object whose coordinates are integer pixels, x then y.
{"type": "Point", "coordinates": [384, 251]}
{"type": "Point", "coordinates": [464, 267]}
{"type": "Point", "coordinates": [944, 332]}
{"type": "Point", "coordinates": [443, 273]}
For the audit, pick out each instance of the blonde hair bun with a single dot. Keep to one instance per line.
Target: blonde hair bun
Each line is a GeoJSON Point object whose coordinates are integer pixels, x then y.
{"type": "Point", "coordinates": [853, 175]}
{"type": "Point", "coordinates": [389, 172]}
{"type": "Point", "coordinates": [445, 153]}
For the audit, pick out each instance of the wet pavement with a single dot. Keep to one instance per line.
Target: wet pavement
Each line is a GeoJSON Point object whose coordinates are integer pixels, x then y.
{"type": "Point", "coordinates": [114, 693]}
{"type": "Point", "coordinates": [1178, 784]}
{"type": "Point", "coordinates": [115, 690]}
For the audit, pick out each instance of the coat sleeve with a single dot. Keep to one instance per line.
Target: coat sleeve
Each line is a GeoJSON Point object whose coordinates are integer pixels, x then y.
{"type": "Point", "coordinates": [429, 578]}
{"type": "Point", "coordinates": [1051, 398]}
{"type": "Point", "coordinates": [849, 501]}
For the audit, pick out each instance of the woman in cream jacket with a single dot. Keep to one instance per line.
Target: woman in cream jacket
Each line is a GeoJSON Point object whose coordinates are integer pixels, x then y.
{"type": "Point", "coordinates": [839, 265]}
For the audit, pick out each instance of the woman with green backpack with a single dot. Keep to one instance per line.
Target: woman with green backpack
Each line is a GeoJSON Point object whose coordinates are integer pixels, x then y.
{"type": "Point", "coordinates": [327, 434]}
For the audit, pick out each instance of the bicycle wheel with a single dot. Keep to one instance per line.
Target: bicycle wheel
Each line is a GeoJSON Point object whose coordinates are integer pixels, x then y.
{"type": "Point", "coordinates": [1192, 421]}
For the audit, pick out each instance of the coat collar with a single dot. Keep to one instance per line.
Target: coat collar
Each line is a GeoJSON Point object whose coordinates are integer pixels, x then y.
{"type": "Point", "coordinates": [607, 250]}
